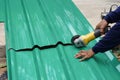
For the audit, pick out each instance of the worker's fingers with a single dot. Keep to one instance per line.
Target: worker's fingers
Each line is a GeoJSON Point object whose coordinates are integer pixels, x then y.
{"type": "Point", "coordinates": [101, 29]}
{"type": "Point", "coordinates": [102, 25]}
{"type": "Point", "coordinates": [118, 57]}
{"type": "Point", "coordinates": [83, 58]}
{"type": "Point", "coordinates": [78, 55]}
{"type": "Point", "coordinates": [82, 53]}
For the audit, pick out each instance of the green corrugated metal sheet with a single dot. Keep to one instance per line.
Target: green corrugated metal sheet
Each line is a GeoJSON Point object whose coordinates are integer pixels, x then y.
{"type": "Point", "coordinates": [43, 22]}
{"type": "Point", "coordinates": [2, 10]}
{"type": "Point", "coordinates": [59, 64]}
{"type": "Point", "coordinates": [46, 22]}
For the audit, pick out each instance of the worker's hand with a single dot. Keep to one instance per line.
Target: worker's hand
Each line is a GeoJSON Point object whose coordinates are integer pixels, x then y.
{"type": "Point", "coordinates": [84, 54]}
{"type": "Point", "coordinates": [102, 25]}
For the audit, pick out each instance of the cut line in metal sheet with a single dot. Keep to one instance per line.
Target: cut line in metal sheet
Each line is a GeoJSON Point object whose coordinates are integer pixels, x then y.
{"type": "Point", "coordinates": [42, 47]}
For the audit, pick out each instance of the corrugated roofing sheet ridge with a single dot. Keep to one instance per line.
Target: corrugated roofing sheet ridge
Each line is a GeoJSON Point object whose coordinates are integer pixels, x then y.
{"type": "Point", "coordinates": [29, 21]}
{"type": "Point", "coordinates": [25, 21]}
{"type": "Point", "coordinates": [53, 64]}
{"type": "Point", "coordinates": [2, 11]}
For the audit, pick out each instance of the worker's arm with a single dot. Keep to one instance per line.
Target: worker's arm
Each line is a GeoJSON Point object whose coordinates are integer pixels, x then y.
{"type": "Point", "coordinates": [113, 16]}
{"type": "Point", "coordinates": [111, 39]}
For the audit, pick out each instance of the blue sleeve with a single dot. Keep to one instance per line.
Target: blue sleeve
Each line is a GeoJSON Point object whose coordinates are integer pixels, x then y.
{"type": "Point", "coordinates": [113, 16]}
{"type": "Point", "coordinates": [109, 41]}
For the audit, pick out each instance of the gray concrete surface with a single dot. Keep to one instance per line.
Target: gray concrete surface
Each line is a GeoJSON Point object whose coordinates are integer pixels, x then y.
{"type": "Point", "coordinates": [2, 41]}
{"type": "Point", "coordinates": [2, 49]}
{"type": "Point", "coordinates": [2, 34]}
{"type": "Point", "coordinates": [92, 8]}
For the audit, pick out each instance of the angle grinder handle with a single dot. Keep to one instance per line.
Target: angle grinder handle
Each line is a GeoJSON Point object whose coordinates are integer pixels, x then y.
{"type": "Point", "coordinates": [97, 32]}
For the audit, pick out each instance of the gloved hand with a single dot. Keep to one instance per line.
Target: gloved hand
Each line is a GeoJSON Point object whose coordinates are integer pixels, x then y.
{"type": "Point", "coordinates": [102, 25]}
{"type": "Point", "coordinates": [84, 54]}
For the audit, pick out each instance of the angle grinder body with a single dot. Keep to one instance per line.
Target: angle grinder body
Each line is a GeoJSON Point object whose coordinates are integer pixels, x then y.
{"type": "Point", "coordinates": [83, 40]}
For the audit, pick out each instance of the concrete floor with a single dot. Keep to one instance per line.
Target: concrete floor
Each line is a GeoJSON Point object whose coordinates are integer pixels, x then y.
{"type": "Point", "coordinates": [92, 8]}
{"type": "Point", "coordinates": [2, 34]}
